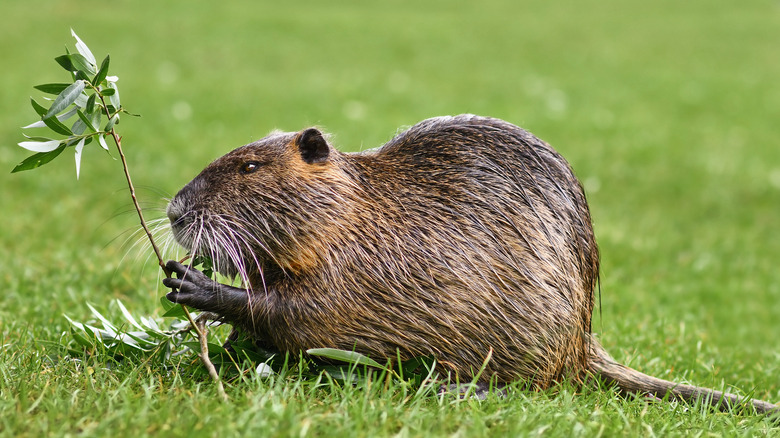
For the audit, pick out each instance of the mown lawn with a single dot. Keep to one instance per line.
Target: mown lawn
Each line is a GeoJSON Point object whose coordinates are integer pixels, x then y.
{"type": "Point", "coordinates": [668, 112]}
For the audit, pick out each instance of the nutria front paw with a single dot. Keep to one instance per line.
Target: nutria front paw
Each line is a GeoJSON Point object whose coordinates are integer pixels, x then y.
{"type": "Point", "coordinates": [193, 288]}
{"type": "Point", "coordinates": [190, 287]}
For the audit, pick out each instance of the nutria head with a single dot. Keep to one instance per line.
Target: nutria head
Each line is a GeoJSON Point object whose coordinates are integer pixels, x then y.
{"type": "Point", "coordinates": [253, 206]}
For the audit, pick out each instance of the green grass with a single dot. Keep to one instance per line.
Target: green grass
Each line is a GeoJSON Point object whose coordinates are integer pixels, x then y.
{"type": "Point", "coordinates": [667, 111]}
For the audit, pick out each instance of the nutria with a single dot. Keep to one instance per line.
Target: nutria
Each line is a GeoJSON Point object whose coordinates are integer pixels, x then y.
{"type": "Point", "coordinates": [463, 238]}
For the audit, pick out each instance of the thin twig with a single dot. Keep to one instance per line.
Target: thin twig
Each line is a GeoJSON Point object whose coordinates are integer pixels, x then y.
{"type": "Point", "coordinates": [118, 142]}
{"type": "Point", "coordinates": [148, 232]}
{"type": "Point", "coordinates": [200, 326]}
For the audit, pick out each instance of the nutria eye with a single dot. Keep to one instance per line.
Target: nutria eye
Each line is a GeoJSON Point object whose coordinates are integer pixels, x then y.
{"type": "Point", "coordinates": [249, 167]}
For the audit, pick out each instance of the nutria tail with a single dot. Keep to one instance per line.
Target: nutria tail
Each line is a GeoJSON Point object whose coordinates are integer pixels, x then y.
{"type": "Point", "coordinates": [634, 382]}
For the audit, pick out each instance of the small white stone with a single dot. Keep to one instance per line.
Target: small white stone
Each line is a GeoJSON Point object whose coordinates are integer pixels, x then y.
{"type": "Point", "coordinates": [264, 370]}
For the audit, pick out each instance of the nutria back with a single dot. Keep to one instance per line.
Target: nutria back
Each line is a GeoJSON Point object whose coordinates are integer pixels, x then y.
{"type": "Point", "coordinates": [460, 236]}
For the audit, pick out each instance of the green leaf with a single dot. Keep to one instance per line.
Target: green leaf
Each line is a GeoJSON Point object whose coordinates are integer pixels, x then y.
{"type": "Point", "coordinates": [101, 74]}
{"type": "Point", "coordinates": [41, 146]}
{"type": "Point", "coordinates": [248, 349]}
{"type": "Point", "coordinates": [111, 122]}
{"type": "Point", "coordinates": [66, 98]}
{"type": "Point", "coordinates": [82, 100]}
{"type": "Point", "coordinates": [82, 76]}
{"type": "Point", "coordinates": [102, 141]}
{"type": "Point", "coordinates": [79, 127]}
{"type": "Point", "coordinates": [135, 341]}
{"type": "Point", "coordinates": [55, 125]}
{"type": "Point", "coordinates": [350, 357]}
{"type": "Point", "coordinates": [67, 115]}
{"type": "Point", "coordinates": [36, 138]}
{"type": "Point", "coordinates": [87, 122]}
{"type": "Point", "coordinates": [166, 304]}
{"type": "Point", "coordinates": [81, 63]}
{"type": "Point", "coordinates": [83, 49]}
{"type": "Point", "coordinates": [128, 315]}
{"type": "Point", "coordinates": [417, 365]}
{"type": "Point", "coordinates": [60, 128]}
{"type": "Point", "coordinates": [212, 347]}
{"type": "Point", "coordinates": [40, 109]}
{"type": "Point", "coordinates": [90, 106]}
{"type": "Point", "coordinates": [151, 325]}
{"type": "Point", "coordinates": [106, 323]}
{"type": "Point", "coordinates": [75, 62]}
{"type": "Point", "coordinates": [52, 88]}
{"type": "Point", "coordinates": [61, 117]}
{"type": "Point", "coordinates": [114, 98]}
{"type": "Point", "coordinates": [204, 264]}
{"type": "Point", "coordinates": [38, 160]}
{"type": "Point", "coordinates": [65, 62]}
{"type": "Point", "coordinates": [94, 119]}
{"type": "Point", "coordinates": [77, 329]}
{"type": "Point", "coordinates": [38, 124]}
{"type": "Point", "coordinates": [108, 91]}
{"type": "Point", "coordinates": [79, 148]}
{"type": "Point", "coordinates": [141, 337]}
{"type": "Point", "coordinates": [174, 312]}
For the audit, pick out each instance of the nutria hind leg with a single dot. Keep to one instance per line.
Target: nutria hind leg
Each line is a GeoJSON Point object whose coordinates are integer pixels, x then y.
{"type": "Point", "coordinates": [262, 347]}
{"type": "Point", "coordinates": [476, 390]}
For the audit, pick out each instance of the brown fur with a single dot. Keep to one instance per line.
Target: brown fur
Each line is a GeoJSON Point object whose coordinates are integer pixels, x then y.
{"type": "Point", "coordinates": [460, 236]}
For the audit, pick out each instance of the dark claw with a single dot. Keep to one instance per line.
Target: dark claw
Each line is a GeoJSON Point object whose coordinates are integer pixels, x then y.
{"type": "Point", "coordinates": [172, 296]}
{"type": "Point", "coordinates": [177, 268]}
{"type": "Point", "coordinates": [173, 283]}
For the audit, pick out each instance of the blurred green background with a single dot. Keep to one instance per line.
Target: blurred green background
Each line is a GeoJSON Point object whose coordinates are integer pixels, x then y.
{"type": "Point", "coordinates": [668, 111]}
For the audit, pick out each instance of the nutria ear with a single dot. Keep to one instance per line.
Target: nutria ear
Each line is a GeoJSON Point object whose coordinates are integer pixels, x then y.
{"type": "Point", "coordinates": [312, 145]}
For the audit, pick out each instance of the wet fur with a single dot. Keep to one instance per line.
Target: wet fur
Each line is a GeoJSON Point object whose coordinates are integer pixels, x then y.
{"type": "Point", "coordinates": [460, 236]}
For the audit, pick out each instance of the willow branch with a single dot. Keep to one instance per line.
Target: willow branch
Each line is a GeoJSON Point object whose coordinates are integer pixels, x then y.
{"type": "Point", "coordinates": [199, 326]}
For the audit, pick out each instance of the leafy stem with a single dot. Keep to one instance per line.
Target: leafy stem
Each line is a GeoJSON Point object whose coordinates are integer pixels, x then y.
{"type": "Point", "coordinates": [86, 97]}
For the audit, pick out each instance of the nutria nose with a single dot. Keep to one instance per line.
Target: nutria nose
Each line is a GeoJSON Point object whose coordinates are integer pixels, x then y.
{"type": "Point", "coordinates": [173, 211]}
{"type": "Point", "coordinates": [179, 204]}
